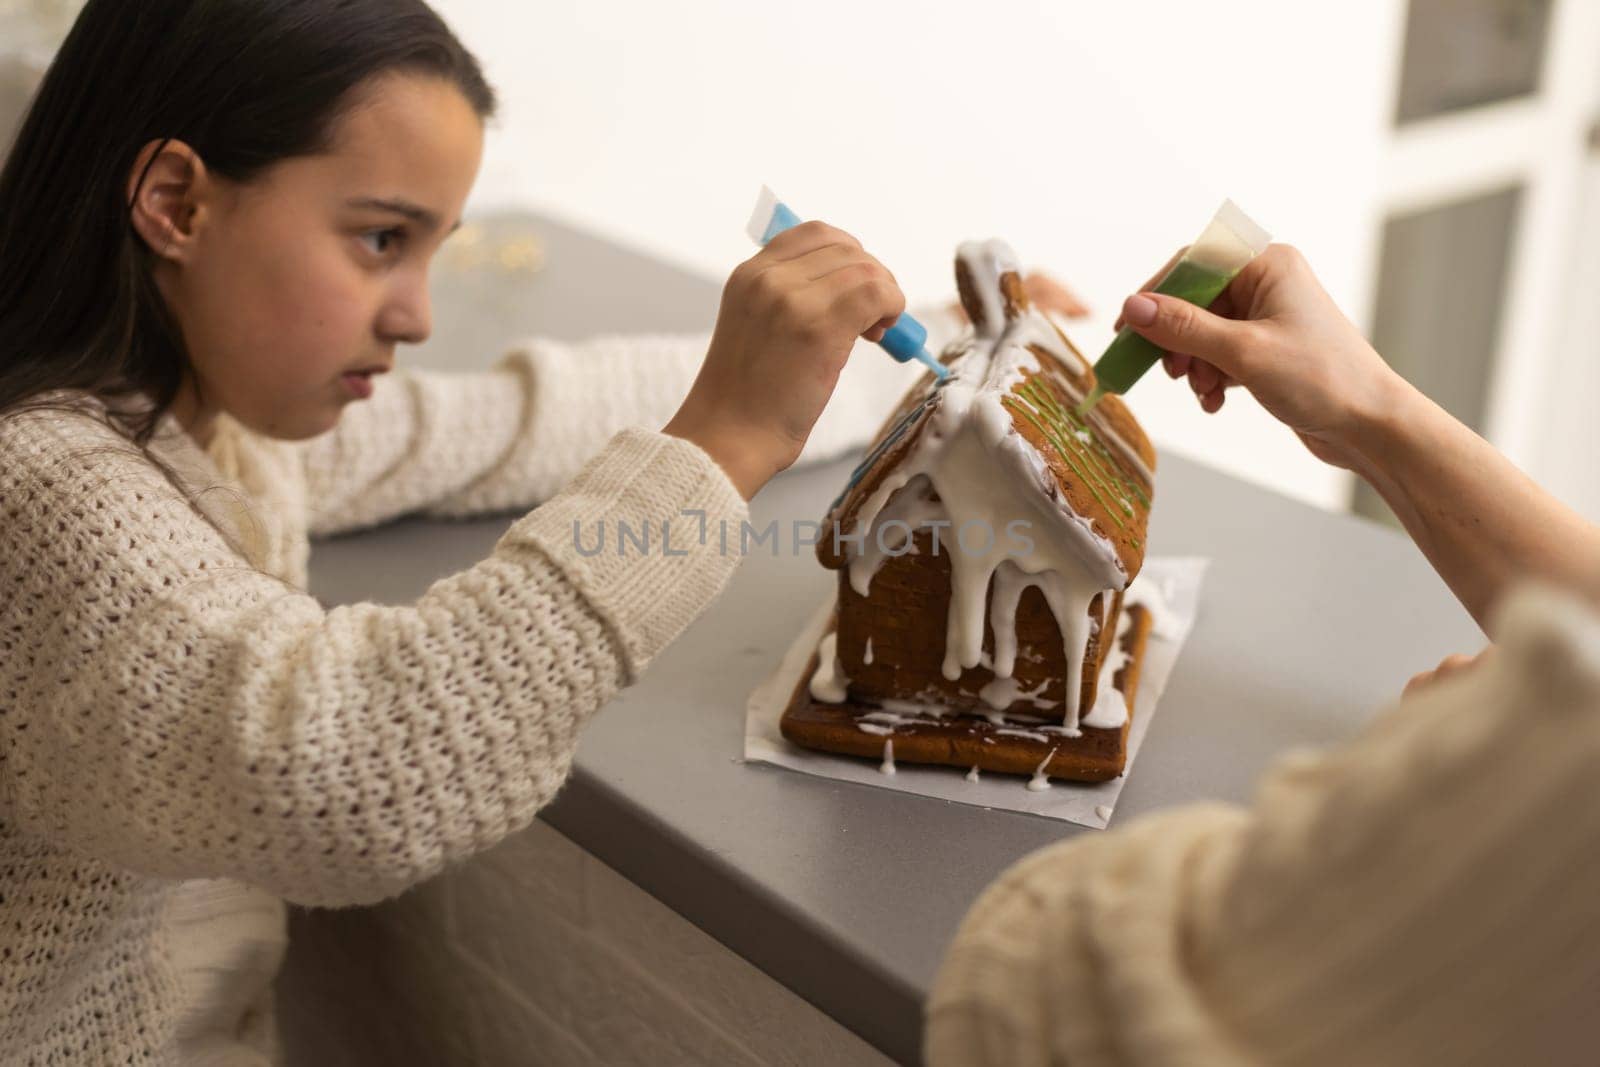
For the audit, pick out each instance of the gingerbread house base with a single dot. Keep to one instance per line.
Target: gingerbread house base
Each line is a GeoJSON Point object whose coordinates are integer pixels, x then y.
{"type": "Point", "coordinates": [1011, 745]}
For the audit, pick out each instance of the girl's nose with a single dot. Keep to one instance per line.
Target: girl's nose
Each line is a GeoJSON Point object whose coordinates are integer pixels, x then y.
{"type": "Point", "coordinates": [408, 317]}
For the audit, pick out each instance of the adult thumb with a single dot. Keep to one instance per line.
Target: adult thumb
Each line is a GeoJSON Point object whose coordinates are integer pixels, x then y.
{"type": "Point", "coordinates": [1179, 326]}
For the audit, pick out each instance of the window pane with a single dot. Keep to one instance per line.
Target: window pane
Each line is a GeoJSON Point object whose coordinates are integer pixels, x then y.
{"type": "Point", "coordinates": [1441, 294]}
{"type": "Point", "coordinates": [1463, 53]}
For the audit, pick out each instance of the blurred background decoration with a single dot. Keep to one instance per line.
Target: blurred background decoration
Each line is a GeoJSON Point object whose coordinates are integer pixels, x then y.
{"type": "Point", "coordinates": [29, 33]}
{"type": "Point", "coordinates": [1437, 160]}
{"type": "Point", "coordinates": [30, 24]}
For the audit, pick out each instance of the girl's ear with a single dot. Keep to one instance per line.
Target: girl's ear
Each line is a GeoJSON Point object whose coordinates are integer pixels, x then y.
{"type": "Point", "coordinates": [166, 197]}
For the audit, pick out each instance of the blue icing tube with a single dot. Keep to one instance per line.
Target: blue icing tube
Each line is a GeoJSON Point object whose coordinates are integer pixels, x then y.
{"type": "Point", "coordinates": [906, 340]}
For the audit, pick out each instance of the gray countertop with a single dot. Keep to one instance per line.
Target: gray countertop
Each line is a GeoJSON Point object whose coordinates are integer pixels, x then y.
{"type": "Point", "coordinates": [848, 894]}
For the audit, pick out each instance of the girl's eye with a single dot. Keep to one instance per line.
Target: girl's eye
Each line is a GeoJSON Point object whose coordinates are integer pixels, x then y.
{"type": "Point", "coordinates": [380, 241]}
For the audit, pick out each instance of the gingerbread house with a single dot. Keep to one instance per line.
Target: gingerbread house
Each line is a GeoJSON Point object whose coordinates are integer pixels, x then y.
{"type": "Point", "coordinates": [984, 548]}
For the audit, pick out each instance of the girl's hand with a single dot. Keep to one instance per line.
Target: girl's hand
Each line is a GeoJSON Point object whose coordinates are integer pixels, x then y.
{"type": "Point", "coordinates": [1448, 666]}
{"type": "Point", "coordinates": [1045, 293]}
{"type": "Point", "coordinates": [789, 318]}
{"type": "Point", "coordinates": [1276, 332]}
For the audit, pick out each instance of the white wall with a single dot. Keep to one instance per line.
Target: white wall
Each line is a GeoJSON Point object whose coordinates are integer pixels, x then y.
{"type": "Point", "coordinates": [1095, 137]}
{"type": "Point", "coordinates": [1566, 462]}
{"type": "Point", "coordinates": [1560, 363]}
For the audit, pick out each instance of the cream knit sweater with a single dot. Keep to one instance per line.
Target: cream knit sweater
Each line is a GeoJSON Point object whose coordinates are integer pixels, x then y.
{"type": "Point", "coordinates": [1428, 893]}
{"type": "Point", "coordinates": [187, 738]}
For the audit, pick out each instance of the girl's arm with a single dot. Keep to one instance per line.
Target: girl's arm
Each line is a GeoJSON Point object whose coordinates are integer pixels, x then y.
{"type": "Point", "coordinates": [177, 712]}
{"type": "Point", "coordinates": [1481, 522]}
{"type": "Point", "coordinates": [1422, 894]}
{"type": "Point", "coordinates": [454, 445]}
{"type": "Point", "coordinates": [171, 709]}
{"type": "Point", "coordinates": [458, 444]}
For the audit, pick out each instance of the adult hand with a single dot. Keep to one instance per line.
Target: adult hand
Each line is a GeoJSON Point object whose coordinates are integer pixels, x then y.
{"type": "Point", "coordinates": [1276, 332]}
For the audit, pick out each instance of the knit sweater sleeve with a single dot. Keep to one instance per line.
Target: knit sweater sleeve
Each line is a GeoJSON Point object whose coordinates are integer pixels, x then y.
{"type": "Point", "coordinates": [1421, 894]}
{"type": "Point", "coordinates": [169, 709]}
{"type": "Point", "coordinates": [460, 444]}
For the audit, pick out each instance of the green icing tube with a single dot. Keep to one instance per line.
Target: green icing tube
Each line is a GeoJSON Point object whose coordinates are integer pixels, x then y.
{"type": "Point", "coordinates": [1221, 252]}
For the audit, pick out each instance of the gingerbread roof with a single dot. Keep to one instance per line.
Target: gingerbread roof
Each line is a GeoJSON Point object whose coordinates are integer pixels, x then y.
{"type": "Point", "coordinates": [1001, 439]}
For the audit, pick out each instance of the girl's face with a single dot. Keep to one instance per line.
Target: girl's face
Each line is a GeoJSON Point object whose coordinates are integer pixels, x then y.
{"type": "Point", "coordinates": [286, 285]}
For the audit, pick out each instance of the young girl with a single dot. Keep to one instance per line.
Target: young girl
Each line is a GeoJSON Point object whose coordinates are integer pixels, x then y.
{"type": "Point", "coordinates": [215, 228]}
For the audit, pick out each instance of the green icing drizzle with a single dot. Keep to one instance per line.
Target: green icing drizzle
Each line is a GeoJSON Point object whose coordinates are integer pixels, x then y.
{"type": "Point", "coordinates": [1090, 460]}
{"type": "Point", "coordinates": [1070, 456]}
{"type": "Point", "coordinates": [1100, 453]}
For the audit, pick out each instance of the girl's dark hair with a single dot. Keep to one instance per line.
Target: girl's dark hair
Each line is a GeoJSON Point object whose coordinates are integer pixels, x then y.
{"type": "Point", "coordinates": [246, 84]}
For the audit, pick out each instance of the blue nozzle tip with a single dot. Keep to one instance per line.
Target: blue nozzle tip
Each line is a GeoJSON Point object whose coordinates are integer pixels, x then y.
{"type": "Point", "coordinates": [940, 371]}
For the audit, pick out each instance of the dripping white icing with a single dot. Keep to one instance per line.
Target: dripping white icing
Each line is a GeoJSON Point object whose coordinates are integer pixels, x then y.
{"type": "Point", "coordinates": [866, 657]}
{"type": "Point", "coordinates": [1031, 735]}
{"type": "Point", "coordinates": [874, 728]}
{"type": "Point", "coordinates": [887, 766]}
{"type": "Point", "coordinates": [972, 775]}
{"type": "Point", "coordinates": [1154, 597]}
{"type": "Point", "coordinates": [890, 519]}
{"type": "Point", "coordinates": [913, 707]}
{"type": "Point", "coordinates": [1110, 710]}
{"type": "Point", "coordinates": [1104, 811]}
{"type": "Point", "coordinates": [1040, 780]}
{"type": "Point", "coordinates": [829, 684]}
{"type": "Point", "coordinates": [1001, 693]}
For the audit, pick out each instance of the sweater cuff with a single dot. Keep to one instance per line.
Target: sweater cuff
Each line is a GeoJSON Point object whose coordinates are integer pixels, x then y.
{"type": "Point", "coordinates": [639, 532]}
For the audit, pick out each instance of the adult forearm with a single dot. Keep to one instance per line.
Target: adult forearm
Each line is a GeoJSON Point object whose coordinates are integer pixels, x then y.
{"type": "Point", "coordinates": [1480, 521]}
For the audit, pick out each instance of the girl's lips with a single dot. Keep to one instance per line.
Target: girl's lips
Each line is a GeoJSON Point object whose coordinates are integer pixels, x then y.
{"type": "Point", "coordinates": [359, 385]}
